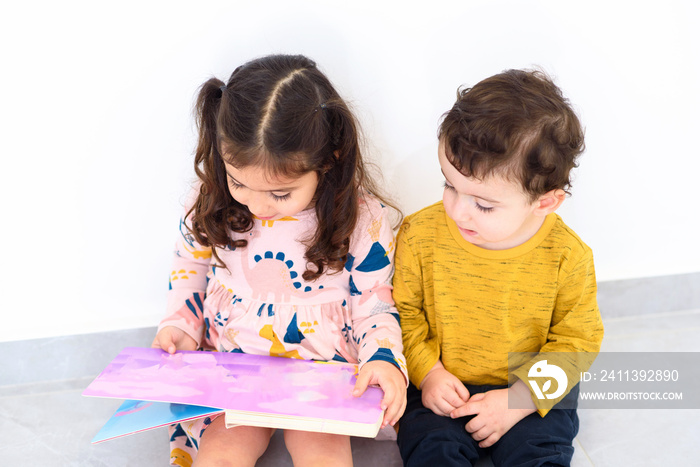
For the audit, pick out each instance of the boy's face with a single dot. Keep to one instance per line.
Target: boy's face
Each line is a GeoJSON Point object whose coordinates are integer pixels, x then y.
{"type": "Point", "coordinates": [494, 213]}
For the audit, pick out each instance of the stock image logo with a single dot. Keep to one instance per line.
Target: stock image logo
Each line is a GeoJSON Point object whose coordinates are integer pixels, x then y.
{"type": "Point", "coordinates": [544, 373]}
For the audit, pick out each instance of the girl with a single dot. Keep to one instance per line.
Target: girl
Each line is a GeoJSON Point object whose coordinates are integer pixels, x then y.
{"type": "Point", "coordinates": [284, 250]}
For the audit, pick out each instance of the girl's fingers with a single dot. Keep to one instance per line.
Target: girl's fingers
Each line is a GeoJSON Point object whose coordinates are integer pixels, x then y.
{"type": "Point", "coordinates": [360, 385]}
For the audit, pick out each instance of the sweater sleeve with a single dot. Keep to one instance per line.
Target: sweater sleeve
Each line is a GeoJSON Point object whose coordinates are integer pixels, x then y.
{"type": "Point", "coordinates": [421, 345]}
{"type": "Point", "coordinates": [576, 329]}
{"type": "Point", "coordinates": [187, 285]}
{"type": "Point", "coordinates": [375, 321]}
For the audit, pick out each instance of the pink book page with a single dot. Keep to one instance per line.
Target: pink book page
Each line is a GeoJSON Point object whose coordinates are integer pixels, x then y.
{"type": "Point", "coordinates": [236, 381]}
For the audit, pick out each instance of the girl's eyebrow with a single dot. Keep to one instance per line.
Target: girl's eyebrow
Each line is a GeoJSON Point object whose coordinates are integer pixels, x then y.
{"type": "Point", "coordinates": [489, 200]}
{"type": "Point", "coordinates": [282, 189]}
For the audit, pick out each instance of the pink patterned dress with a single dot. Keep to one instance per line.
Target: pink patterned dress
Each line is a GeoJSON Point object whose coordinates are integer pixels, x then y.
{"type": "Point", "coordinates": [260, 304]}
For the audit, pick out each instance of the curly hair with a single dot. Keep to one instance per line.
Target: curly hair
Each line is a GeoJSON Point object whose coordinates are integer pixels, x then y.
{"type": "Point", "coordinates": [516, 124]}
{"type": "Point", "coordinates": [281, 114]}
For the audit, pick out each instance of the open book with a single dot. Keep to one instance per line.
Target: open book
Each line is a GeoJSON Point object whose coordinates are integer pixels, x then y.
{"type": "Point", "coordinates": [253, 390]}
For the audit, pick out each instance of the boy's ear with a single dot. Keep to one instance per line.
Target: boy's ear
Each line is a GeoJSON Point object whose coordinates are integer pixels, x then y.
{"type": "Point", "coordinates": [549, 202]}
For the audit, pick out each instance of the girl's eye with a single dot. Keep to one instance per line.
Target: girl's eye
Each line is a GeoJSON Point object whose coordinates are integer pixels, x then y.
{"type": "Point", "coordinates": [234, 184]}
{"type": "Point", "coordinates": [483, 208]}
{"type": "Point", "coordinates": [284, 197]}
{"type": "Point", "coordinates": [448, 187]}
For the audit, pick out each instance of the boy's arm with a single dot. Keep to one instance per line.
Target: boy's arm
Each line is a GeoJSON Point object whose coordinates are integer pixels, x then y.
{"type": "Point", "coordinates": [421, 346]}
{"type": "Point", "coordinates": [576, 329]}
{"type": "Point", "coordinates": [576, 322]}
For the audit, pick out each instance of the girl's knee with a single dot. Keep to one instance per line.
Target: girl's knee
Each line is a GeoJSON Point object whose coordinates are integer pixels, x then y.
{"type": "Point", "coordinates": [310, 448]}
{"type": "Point", "coordinates": [241, 445]}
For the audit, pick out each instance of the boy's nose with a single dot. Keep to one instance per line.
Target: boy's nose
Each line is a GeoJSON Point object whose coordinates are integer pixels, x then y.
{"type": "Point", "coordinates": [462, 210]}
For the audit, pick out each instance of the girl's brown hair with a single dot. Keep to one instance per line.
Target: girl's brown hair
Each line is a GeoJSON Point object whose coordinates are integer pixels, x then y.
{"type": "Point", "coordinates": [279, 113]}
{"type": "Point", "coordinates": [516, 124]}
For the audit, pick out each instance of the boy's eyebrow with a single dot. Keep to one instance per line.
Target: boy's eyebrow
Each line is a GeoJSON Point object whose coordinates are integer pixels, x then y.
{"type": "Point", "coordinates": [283, 189]}
{"type": "Point", "coordinates": [492, 201]}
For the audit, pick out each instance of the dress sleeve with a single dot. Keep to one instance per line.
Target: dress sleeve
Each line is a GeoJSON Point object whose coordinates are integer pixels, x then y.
{"type": "Point", "coordinates": [375, 321]}
{"type": "Point", "coordinates": [187, 285]}
{"type": "Point", "coordinates": [421, 345]}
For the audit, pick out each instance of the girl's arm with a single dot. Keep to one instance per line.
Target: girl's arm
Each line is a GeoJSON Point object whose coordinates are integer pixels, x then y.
{"type": "Point", "coordinates": [375, 321]}
{"type": "Point", "coordinates": [187, 288]}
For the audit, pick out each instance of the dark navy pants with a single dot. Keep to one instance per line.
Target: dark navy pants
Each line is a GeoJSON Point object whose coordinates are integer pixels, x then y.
{"type": "Point", "coordinates": [429, 440]}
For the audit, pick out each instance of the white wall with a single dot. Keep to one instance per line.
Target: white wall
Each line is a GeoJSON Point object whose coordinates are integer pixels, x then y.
{"type": "Point", "coordinates": [97, 135]}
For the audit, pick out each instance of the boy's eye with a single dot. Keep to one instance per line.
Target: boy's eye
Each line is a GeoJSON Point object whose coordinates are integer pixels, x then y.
{"type": "Point", "coordinates": [483, 208]}
{"type": "Point", "coordinates": [478, 206]}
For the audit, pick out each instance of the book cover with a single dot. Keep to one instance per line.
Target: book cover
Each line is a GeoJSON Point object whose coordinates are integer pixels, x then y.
{"type": "Point", "coordinates": [254, 389]}
{"type": "Point", "coordinates": [135, 416]}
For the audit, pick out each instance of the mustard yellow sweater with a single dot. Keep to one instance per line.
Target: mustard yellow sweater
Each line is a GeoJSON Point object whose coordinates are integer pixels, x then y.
{"type": "Point", "coordinates": [469, 306]}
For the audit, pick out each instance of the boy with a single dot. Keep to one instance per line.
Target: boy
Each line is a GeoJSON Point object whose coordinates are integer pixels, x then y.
{"type": "Point", "coordinates": [491, 270]}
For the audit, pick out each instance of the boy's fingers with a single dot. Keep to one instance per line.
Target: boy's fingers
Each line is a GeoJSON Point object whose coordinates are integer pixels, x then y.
{"type": "Point", "coordinates": [490, 441]}
{"type": "Point", "coordinates": [462, 391]}
{"type": "Point", "coordinates": [455, 400]}
{"type": "Point", "coordinates": [444, 407]}
{"type": "Point", "coordinates": [470, 408]}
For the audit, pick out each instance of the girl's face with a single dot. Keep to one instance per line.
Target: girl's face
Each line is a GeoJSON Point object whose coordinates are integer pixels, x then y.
{"type": "Point", "coordinates": [271, 198]}
{"type": "Point", "coordinates": [494, 213]}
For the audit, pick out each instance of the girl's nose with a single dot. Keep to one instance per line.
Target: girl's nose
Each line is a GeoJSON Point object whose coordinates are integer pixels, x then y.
{"type": "Point", "coordinates": [257, 203]}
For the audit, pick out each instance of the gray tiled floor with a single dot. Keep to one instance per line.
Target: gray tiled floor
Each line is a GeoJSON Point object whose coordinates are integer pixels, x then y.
{"type": "Point", "coordinates": [52, 424]}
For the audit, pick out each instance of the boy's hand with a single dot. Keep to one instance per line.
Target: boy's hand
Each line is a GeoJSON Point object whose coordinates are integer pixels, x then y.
{"type": "Point", "coordinates": [388, 377]}
{"type": "Point", "coordinates": [493, 417]}
{"type": "Point", "coordinates": [442, 392]}
{"type": "Point", "coordinates": [172, 339]}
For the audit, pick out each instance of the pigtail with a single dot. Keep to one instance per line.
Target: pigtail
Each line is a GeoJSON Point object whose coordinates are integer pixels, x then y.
{"type": "Point", "coordinates": [337, 193]}
{"type": "Point", "coordinates": [214, 211]}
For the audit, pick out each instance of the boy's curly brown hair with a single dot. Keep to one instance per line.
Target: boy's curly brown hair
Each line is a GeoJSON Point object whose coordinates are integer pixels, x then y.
{"type": "Point", "coordinates": [516, 124]}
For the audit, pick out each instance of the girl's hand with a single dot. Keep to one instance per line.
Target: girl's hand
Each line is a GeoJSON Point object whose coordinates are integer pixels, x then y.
{"type": "Point", "coordinates": [442, 392]}
{"type": "Point", "coordinates": [388, 377]}
{"type": "Point", "coordinates": [172, 339]}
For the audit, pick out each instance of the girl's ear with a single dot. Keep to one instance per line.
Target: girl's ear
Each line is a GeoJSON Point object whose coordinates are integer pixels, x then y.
{"type": "Point", "coordinates": [549, 202]}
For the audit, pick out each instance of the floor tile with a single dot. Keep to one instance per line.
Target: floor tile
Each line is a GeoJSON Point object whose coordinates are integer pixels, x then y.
{"type": "Point", "coordinates": [615, 437]}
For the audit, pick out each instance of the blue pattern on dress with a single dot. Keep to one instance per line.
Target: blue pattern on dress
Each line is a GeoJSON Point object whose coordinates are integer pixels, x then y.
{"type": "Point", "coordinates": [376, 259]}
{"type": "Point", "coordinates": [294, 335]}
